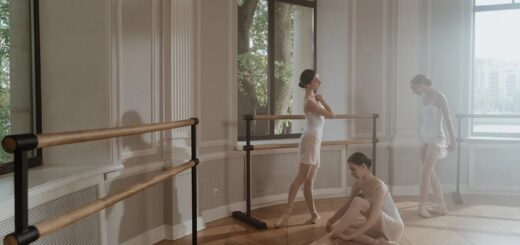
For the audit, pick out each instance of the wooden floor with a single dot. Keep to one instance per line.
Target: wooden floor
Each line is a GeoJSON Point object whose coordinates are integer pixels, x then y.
{"type": "Point", "coordinates": [483, 220]}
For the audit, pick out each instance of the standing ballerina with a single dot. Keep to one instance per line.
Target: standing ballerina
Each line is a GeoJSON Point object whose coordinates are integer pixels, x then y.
{"type": "Point", "coordinates": [383, 223]}
{"type": "Point", "coordinates": [315, 109]}
{"type": "Point", "coordinates": [434, 111]}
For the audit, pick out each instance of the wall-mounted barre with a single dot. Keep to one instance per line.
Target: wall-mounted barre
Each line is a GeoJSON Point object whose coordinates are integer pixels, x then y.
{"type": "Point", "coordinates": [22, 143]}
{"type": "Point", "coordinates": [246, 217]}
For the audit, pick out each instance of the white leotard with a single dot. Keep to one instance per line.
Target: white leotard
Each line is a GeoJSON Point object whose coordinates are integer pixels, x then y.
{"type": "Point", "coordinates": [392, 224]}
{"type": "Point", "coordinates": [310, 140]}
{"type": "Point", "coordinates": [432, 132]}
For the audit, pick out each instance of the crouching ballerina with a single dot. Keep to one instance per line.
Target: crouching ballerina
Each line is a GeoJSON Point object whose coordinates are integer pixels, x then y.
{"type": "Point", "coordinates": [383, 223]}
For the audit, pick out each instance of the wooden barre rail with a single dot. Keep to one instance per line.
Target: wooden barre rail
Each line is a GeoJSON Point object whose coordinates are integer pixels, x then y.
{"type": "Point", "coordinates": [53, 139]}
{"type": "Point", "coordinates": [324, 143]}
{"type": "Point", "coordinates": [297, 117]}
{"type": "Point", "coordinates": [54, 224]}
{"type": "Point", "coordinates": [510, 116]}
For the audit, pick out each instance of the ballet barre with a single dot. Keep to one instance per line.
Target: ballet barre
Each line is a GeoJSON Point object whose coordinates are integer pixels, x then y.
{"type": "Point", "coordinates": [22, 143]}
{"type": "Point", "coordinates": [247, 217]}
{"type": "Point", "coordinates": [456, 195]}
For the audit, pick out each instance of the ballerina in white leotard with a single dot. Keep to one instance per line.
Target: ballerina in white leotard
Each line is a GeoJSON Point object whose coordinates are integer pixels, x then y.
{"type": "Point", "coordinates": [383, 223]}
{"type": "Point", "coordinates": [315, 109]}
{"type": "Point", "coordinates": [434, 113]}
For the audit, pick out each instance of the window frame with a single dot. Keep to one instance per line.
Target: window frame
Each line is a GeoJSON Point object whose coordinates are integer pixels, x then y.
{"type": "Point", "coordinates": [515, 4]}
{"type": "Point", "coordinates": [37, 160]}
{"type": "Point", "coordinates": [270, 63]}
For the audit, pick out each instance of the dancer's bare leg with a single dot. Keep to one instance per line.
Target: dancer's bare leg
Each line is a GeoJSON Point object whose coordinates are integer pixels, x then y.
{"type": "Point", "coordinates": [309, 196]}
{"type": "Point", "coordinates": [297, 183]}
{"type": "Point", "coordinates": [430, 158]}
{"type": "Point", "coordinates": [343, 228]}
{"type": "Point", "coordinates": [439, 195]}
{"type": "Point", "coordinates": [358, 206]}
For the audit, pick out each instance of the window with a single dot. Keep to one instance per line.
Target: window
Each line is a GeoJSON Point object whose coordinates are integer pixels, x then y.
{"type": "Point", "coordinates": [496, 66]}
{"type": "Point", "coordinates": [276, 41]}
{"type": "Point", "coordinates": [19, 75]}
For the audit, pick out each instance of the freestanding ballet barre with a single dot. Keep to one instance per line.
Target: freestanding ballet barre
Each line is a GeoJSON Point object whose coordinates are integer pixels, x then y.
{"type": "Point", "coordinates": [246, 217]}
{"type": "Point", "coordinates": [22, 143]}
{"type": "Point", "coordinates": [456, 195]}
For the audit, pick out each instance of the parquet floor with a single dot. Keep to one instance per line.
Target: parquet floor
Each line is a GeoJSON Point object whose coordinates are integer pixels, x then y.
{"type": "Point", "coordinates": [482, 220]}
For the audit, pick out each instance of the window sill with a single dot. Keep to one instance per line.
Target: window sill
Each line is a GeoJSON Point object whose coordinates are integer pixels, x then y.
{"type": "Point", "coordinates": [482, 139]}
{"type": "Point", "coordinates": [240, 144]}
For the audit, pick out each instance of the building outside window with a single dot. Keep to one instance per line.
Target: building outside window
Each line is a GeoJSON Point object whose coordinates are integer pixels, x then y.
{"type": "Point", "coordinates": [496, 66]}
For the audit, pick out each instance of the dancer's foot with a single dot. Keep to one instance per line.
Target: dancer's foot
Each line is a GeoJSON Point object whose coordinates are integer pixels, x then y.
{"type": "Point", "coordinates": [282, 221]}
{"type": "Point", "coordinates": [382, 241]}
{"type": "Point", "coordinates": [424, 213]}
{"type": "Point", "coordinates": [315, 219]}
{"type": "Point", "coordinates": [440, 210]}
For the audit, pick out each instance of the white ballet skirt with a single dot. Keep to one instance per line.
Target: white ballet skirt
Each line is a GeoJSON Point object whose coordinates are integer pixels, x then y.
{"type": "Point", "coordinates": [392, 223]}
{"type": "Point", "coordinates": [310, 140]}
{"type": "Point", "coordinates": [431, 132]}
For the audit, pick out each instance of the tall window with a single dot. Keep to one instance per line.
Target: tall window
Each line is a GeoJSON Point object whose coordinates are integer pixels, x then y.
{"type": "Point", "coordinates": [496, 68]}
{"type": "Point", "coordinates": [276, 41]}
{"type": "Point", "coordinates": [19, 75]}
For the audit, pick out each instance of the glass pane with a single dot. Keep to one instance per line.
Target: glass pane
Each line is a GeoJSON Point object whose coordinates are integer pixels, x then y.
{"type": "Point", "coordinates": [496, 87]}
{"type": "Point", "coordinates": [293, 52]}
{"type": "Point", "coordinates": [15, 72]}
{"type": "Point", "coordinates": [491, 2]}
{"type": "Point", "coordinates": [252, 64]}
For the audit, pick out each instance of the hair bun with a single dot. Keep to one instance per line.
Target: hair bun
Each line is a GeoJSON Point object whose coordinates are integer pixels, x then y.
{"type": "Point", "coordinates": [306, 77]}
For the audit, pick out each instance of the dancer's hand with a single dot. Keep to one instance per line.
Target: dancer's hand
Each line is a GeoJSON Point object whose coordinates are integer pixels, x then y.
{"type": "Point", "coordinates": [328, 226]}
{"type": "Point", "coordinates": [319, 98]}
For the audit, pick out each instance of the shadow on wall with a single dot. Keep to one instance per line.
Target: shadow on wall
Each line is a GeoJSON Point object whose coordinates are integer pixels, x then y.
{"type": "Point", "coordinates": [143, 211]}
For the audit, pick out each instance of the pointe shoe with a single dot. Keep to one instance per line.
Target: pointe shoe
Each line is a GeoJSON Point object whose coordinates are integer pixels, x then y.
{"type": "Point", "coordinates": [438, 210]}
{"type": "Point", "coordinates": [315, 219]}
{"type": "Point", "coordinates": [382, 241]}
{"type": "Point", "coordinates": [282, 221]}
{"type": "Point", "coordinates": [424, 213]}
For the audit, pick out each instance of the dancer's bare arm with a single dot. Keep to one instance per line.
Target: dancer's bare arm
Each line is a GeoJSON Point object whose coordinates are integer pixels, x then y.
{"type": "Point", "coordinates": [324, 110]}
{"type": "Point", "coordinates": [375, 212]}
{"type": "Point", "coordinates": [353, 193]}
{"type": "Point", "coordinates": [443, 104]}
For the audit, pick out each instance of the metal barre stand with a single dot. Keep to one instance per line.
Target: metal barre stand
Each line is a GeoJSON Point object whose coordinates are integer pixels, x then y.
{"type": "Point", "coordinates": [246, 217]}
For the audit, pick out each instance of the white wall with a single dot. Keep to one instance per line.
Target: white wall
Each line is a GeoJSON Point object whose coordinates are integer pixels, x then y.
{"type": "Point", "coordinates": [332, 52]}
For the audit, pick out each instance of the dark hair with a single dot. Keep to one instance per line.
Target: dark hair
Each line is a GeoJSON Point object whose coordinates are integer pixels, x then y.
{"type": "Point", "coordinates": [306, 77]}
{"type": "Point", "coordinates": [359, 159]}
{"type": "Point", "coordinates": [421, 79]}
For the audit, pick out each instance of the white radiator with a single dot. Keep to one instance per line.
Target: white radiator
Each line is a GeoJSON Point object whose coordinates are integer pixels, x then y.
{"type": "Point", "coordinates": [84, 232]}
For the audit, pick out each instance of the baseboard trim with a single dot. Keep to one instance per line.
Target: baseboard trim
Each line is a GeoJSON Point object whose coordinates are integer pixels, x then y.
{"type": "Point", "coordinates": [181, 230]}
{"type": "Point", "coordinates": [152, 236]}
{"type": "Point", "coordinates": [226, 210]}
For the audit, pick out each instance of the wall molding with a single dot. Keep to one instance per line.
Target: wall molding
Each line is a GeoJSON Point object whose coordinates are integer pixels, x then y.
{"type": "Point", "coordinates": [472, 170]}
{"type": "Point", "coordinates": [183, 60]}
{"type": "Point", "coordinates": [134, 170]}
{"type": "Point", "coordinates": [232, 73]}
